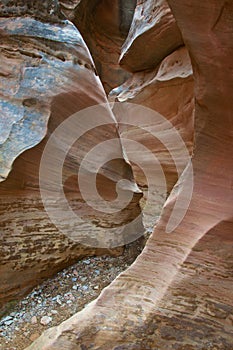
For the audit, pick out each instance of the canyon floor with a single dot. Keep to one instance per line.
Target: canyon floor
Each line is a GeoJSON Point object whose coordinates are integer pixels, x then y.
{"type": "Point", "coordinates": [62, 296]}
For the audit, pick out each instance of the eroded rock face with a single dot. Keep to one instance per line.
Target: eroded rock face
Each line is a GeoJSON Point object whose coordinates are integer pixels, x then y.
{"type": "Point", "coordinates": [47, 10]}
{"type": "Point", "coordinates": [47, 74]}
{"type": "Point", "coordinates": [192, 310]}
{"type": "Point", "coordinates": [178, 293]}
{"type": "Point", "coordinates": [153, 36]}
{"type": "Point", "coordinates": [167, 90]}
{"type": "Point", "coordinates": [104, 25]}
{"type": "Point", "coordinates": [68, 7]}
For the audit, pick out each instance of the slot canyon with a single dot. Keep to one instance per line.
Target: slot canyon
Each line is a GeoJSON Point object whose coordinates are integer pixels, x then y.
{"type": "Point", "coordinates": [116, 172]}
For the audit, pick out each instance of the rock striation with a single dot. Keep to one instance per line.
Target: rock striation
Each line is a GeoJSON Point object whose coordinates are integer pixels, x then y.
{"type": "Point", "coordinates": [178, 293]}
{"type": "Point", "coordinates": [47, 74]}
{"type": "Point", "coordinates": [108, 23]}
{"type": "Point", "coordinates": [153, 35]}
{"type": "Point", "coordinates": [167, 90]}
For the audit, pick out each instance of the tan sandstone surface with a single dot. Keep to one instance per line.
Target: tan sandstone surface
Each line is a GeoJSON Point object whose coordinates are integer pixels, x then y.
{"type": "Point", "coordinates": [178, 293]}
{"type": "Point", "coordinates": [47, 74]}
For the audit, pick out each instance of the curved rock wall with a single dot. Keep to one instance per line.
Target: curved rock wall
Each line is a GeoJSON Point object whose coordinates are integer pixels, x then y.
{"type": "Point", "coordinates": [153, 35]}
{"type": "Point", "coordinates": [178, 293]}
{"type": "Point", "coordinates": [47, 74]}
{"type": "Point", "coordinates": [167, 90]}
{"type": "Point", "coordinates": [104, 25]}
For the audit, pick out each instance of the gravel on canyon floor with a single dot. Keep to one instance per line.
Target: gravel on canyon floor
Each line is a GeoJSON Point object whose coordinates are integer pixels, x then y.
{"type": "Point", "coordinates": [60, 297]}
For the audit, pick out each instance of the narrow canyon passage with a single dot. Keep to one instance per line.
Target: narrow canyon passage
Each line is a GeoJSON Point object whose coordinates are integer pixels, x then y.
{"type": "Point", "coordinates": [174, 61]}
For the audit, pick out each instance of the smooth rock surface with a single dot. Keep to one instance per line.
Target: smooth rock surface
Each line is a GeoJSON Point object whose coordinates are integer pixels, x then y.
{"type": "Point", "coordinates": [47, 74]}
{"type": "Point", "coordinates": [104, 25]}
{"type": "Point", "coordinates": [167, 90]}
{"type": "Point", "coordinates": [153, 35]}
{"type": "Point", "coordinates": [45, 320]}
{"type": "Point", "coordinates": [178, 293]}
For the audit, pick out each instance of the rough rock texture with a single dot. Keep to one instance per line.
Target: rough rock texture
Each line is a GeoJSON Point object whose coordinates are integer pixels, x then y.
{"type": "Point", "coordinates": [36, 9]}
{"type": "Point", "coordinates": [104, 25]}
{"type": "Point", "coordinates": [46, 71]}
{"type": "Point", "coordinates": [153, 35]}
{"type": "Point", "coordinates": [68, 7]}
{"type": "Point", "coordinates": [178, 293]}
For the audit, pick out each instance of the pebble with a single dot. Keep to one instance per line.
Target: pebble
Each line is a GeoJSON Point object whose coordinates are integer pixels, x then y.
{"type": "Point", "coordinates": [34, 320]}
{"type": "Point", "coordinates": [8, 323]}
{"type": "Point", "coordinates": [87, 261]}
{"type": "Point", "coordinates": [34, 336]}
{"type": "Point", "coordinates": [54, 312]}
{"type": "Point", "coordinates": [45, 320]}
{"type": "Point", "coordinates": [58, 298]}
{"type": "Point", "coordinates": [7, 318]}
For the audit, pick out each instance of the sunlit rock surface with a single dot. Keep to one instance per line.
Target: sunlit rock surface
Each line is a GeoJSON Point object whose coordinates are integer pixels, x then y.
{"type": "Point", "coordinates": [178, 293]}
{"type": "Point", "coordinates": [167, 90]}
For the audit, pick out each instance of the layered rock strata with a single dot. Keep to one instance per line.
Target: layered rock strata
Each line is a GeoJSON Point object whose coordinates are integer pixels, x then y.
{"type": "Point", "coordinates": [178, 293]}
{"type": "Point", "coordinates": [104, 25]}
{"type": "Point", "coordinates": [47, 74]}
{"type": "Point", "coordinates": [153, 35]}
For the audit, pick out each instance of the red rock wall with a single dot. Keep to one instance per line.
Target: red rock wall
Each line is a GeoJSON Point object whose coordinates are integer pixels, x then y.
{"type": "Point", "coordinates": [47, 74]}
{"type": "Point", "coordinates": [153, 35]}
{"type": "Point", "coordinates": [104, 25]}
{"type": "Point", "coordinates": [178, 293]}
